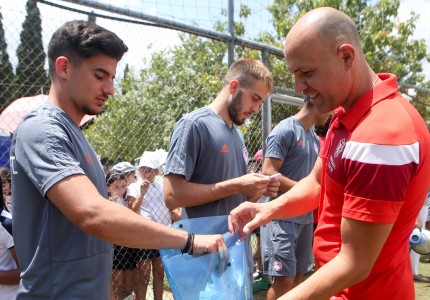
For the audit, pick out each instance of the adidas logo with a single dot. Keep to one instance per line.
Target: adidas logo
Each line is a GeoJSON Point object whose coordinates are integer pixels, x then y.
{"type": "Point", "coordinates": [89, 158]}
{"type": "Point", "coordinates": [224, 149]}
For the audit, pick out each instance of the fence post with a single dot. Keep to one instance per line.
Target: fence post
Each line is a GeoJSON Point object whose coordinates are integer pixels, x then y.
{"type": "Point", "coordinates": [266, 121]}
{"type": "Point", "coordinates": [231, 31]}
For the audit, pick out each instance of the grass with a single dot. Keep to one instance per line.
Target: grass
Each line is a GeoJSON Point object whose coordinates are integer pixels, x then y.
{"type": "Point", "coordinates": [422, 290]}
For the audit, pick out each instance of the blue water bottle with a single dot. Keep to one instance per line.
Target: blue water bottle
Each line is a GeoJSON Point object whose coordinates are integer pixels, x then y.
{"type": "Point", "coordinates": [420, 241]}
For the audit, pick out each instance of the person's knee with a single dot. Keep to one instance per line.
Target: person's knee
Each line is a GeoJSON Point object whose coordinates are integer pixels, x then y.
{"type": "Point", "coordinates": [282, 283]}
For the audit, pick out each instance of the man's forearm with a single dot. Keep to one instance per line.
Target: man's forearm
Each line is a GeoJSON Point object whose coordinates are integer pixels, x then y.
{"type": "Point", "coordinates": [186, 194]}
{"type": "Point", "coordinates": [333, 277]}
{"type": "Point", "coordinates": [300, 199]}
{"type": "Point", "coordinates": [10, 277]}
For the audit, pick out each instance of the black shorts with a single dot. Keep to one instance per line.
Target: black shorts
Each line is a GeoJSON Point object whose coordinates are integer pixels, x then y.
{"type": "Point", "coordinates": [149, 253]}
{"type": "Point", "coordinates": [125, 258]}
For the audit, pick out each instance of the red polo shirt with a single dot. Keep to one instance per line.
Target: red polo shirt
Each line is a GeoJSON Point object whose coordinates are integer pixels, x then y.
{"type": "Point", "coordinates": [376, 169]}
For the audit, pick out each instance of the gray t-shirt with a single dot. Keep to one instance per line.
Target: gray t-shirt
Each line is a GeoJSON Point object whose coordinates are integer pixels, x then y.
{"type": "Point", "coordinates": [204, 149]}
{"type": "Point", "coordinates": [57, 259]}
{"type": "Point", "coordinates": [298, 149]}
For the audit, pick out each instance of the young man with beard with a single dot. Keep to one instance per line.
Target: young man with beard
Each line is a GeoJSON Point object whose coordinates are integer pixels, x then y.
{"type": "Point", "coordinates": [63, 224]}
{"type": "Point", "coordinates": [206, 169]}
{"type": "Point", "coordinates": [372, 175]}
{"type": "Point", "coordinates": [292, 149]}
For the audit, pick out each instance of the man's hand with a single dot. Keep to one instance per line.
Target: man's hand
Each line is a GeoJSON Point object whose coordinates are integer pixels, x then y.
{"type": "Point", "coordinates": [248, 216]}
{"type": "Point", "coordinates": [204, 244]}
{"type": "Point", "coordinates": [418, 224]}
{"type": "Point", "coordinates": [256, 185]}
{"type": "Point", "coordinates": [273, 186]}
{"type": "Point", "coordinates": [253, 185]}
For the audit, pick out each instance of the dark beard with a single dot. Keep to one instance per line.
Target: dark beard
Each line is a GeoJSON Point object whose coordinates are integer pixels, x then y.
{"type": "Point", "coordinates": [321, 130]}
{"type": "Point", "coordinates": [234, 108]}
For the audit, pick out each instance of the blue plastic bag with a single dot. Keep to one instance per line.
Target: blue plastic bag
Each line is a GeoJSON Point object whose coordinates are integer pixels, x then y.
{"type": "Point", "coordinates": [212, 276]}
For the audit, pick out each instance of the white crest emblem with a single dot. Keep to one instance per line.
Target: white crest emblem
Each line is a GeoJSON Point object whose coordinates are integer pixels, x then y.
{"type": "Point", "coordinates": [339, 148]}
{"type": "Point", "coordinates": [245, 155]}
{"type": "Point", "coordinates": [277, 266]}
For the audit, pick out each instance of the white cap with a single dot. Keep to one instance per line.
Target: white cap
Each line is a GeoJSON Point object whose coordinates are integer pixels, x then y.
{"type": "Point", "coordinates": [153, 159]}
{"type": "Point", "coordinates": [124, 167]}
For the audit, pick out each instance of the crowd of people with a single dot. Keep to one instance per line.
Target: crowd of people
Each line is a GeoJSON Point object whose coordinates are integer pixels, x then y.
{"type": "Point", "coordinates": [140, 189]}
{"type": "Point", "coordinates": [364, 180]}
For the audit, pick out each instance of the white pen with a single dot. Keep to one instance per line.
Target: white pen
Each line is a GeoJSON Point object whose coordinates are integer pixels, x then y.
{"type": "Point", "coordinates": [274, 175]}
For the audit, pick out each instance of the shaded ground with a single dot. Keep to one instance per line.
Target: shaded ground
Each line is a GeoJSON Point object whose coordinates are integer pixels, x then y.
{"type": "Point", "coordinates": [422, 290]}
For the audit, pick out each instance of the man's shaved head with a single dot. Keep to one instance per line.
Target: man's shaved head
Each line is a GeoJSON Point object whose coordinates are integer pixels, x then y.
{"type": "Point", "coordinates": [330, 26]}
{"type": "Point", "coordinates": [324, 54]}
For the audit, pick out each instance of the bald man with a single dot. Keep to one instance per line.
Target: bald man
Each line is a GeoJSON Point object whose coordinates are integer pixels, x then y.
{"type": "Point", "coordinates": [372, 174]}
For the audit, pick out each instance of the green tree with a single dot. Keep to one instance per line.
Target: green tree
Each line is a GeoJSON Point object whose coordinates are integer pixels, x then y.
{"type": "Point", "coordinates": [388, 44]}
{"type": "Point", "coordinates": [176, 81]}
{"type": "Point", "coordinates": [6, 71]}
{"type": "Point", "coordinates": [31, 77]}
{"type": "Point", "coordinates": [142, 114]}
{"type": "Point", "coordinates": [125, 85]}
{"type": "Point", "coordinates": [92, 17]}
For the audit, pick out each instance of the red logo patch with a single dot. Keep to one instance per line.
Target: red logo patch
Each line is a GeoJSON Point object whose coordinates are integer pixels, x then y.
{"type": "Point", "coordinates": [224, 148]}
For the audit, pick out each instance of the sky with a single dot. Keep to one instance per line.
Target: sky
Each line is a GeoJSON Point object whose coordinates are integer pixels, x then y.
{"type": "Point", "coordinates": [203, 13]}
{"type": "Point", "coordinates": [422, 7]}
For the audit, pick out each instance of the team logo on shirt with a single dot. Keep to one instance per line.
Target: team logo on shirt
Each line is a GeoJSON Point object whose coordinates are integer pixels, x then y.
{"type": "Point", "coordinates": [224, 149]}
{"type": "Point", "coordinates": [89, 157]}
{"type": "Point", "coordinates": [339, 148]}
{"type": "Point", "coordinates": [12, 164]}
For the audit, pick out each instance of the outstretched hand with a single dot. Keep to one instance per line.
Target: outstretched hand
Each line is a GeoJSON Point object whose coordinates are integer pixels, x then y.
{"type": "Point", "coordinates": [248, 216]}
{"type": "Point", "coordinates": [272, 186]}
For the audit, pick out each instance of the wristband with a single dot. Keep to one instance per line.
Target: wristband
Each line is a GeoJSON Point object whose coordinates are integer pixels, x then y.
{"type": "Point", "coordinates": [191, 250]}
{"type": "Point", "coordinates": [189, 244]}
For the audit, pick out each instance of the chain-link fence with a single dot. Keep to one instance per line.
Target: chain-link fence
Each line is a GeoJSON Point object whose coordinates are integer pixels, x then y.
{"type": "Point", "coordinates": [169, 70]}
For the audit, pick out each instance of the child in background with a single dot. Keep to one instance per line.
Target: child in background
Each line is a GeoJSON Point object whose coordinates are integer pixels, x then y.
{"type": "Point", "coordinates": [146, 197]}
{"type": "Point", "coordinates": [125, 259]}
{"type": "Point", "coordinates": [9, 272]}
{"type": "Point", "coordinates": [6, 187]}
{"type": "Point", "coordinates": [127, 169]}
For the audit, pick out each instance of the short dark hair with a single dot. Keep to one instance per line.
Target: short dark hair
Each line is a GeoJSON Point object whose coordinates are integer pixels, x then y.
{"type": "Point", "coordinates": [82, 39]}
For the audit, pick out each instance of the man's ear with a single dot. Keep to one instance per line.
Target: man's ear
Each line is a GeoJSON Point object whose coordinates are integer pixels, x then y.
{"type": "Point", "coordinates": [347, 53]}
{"type": "Point", "coordinates": [62, 65]}
{"type": "Point", "coordinates": [233, 86]}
